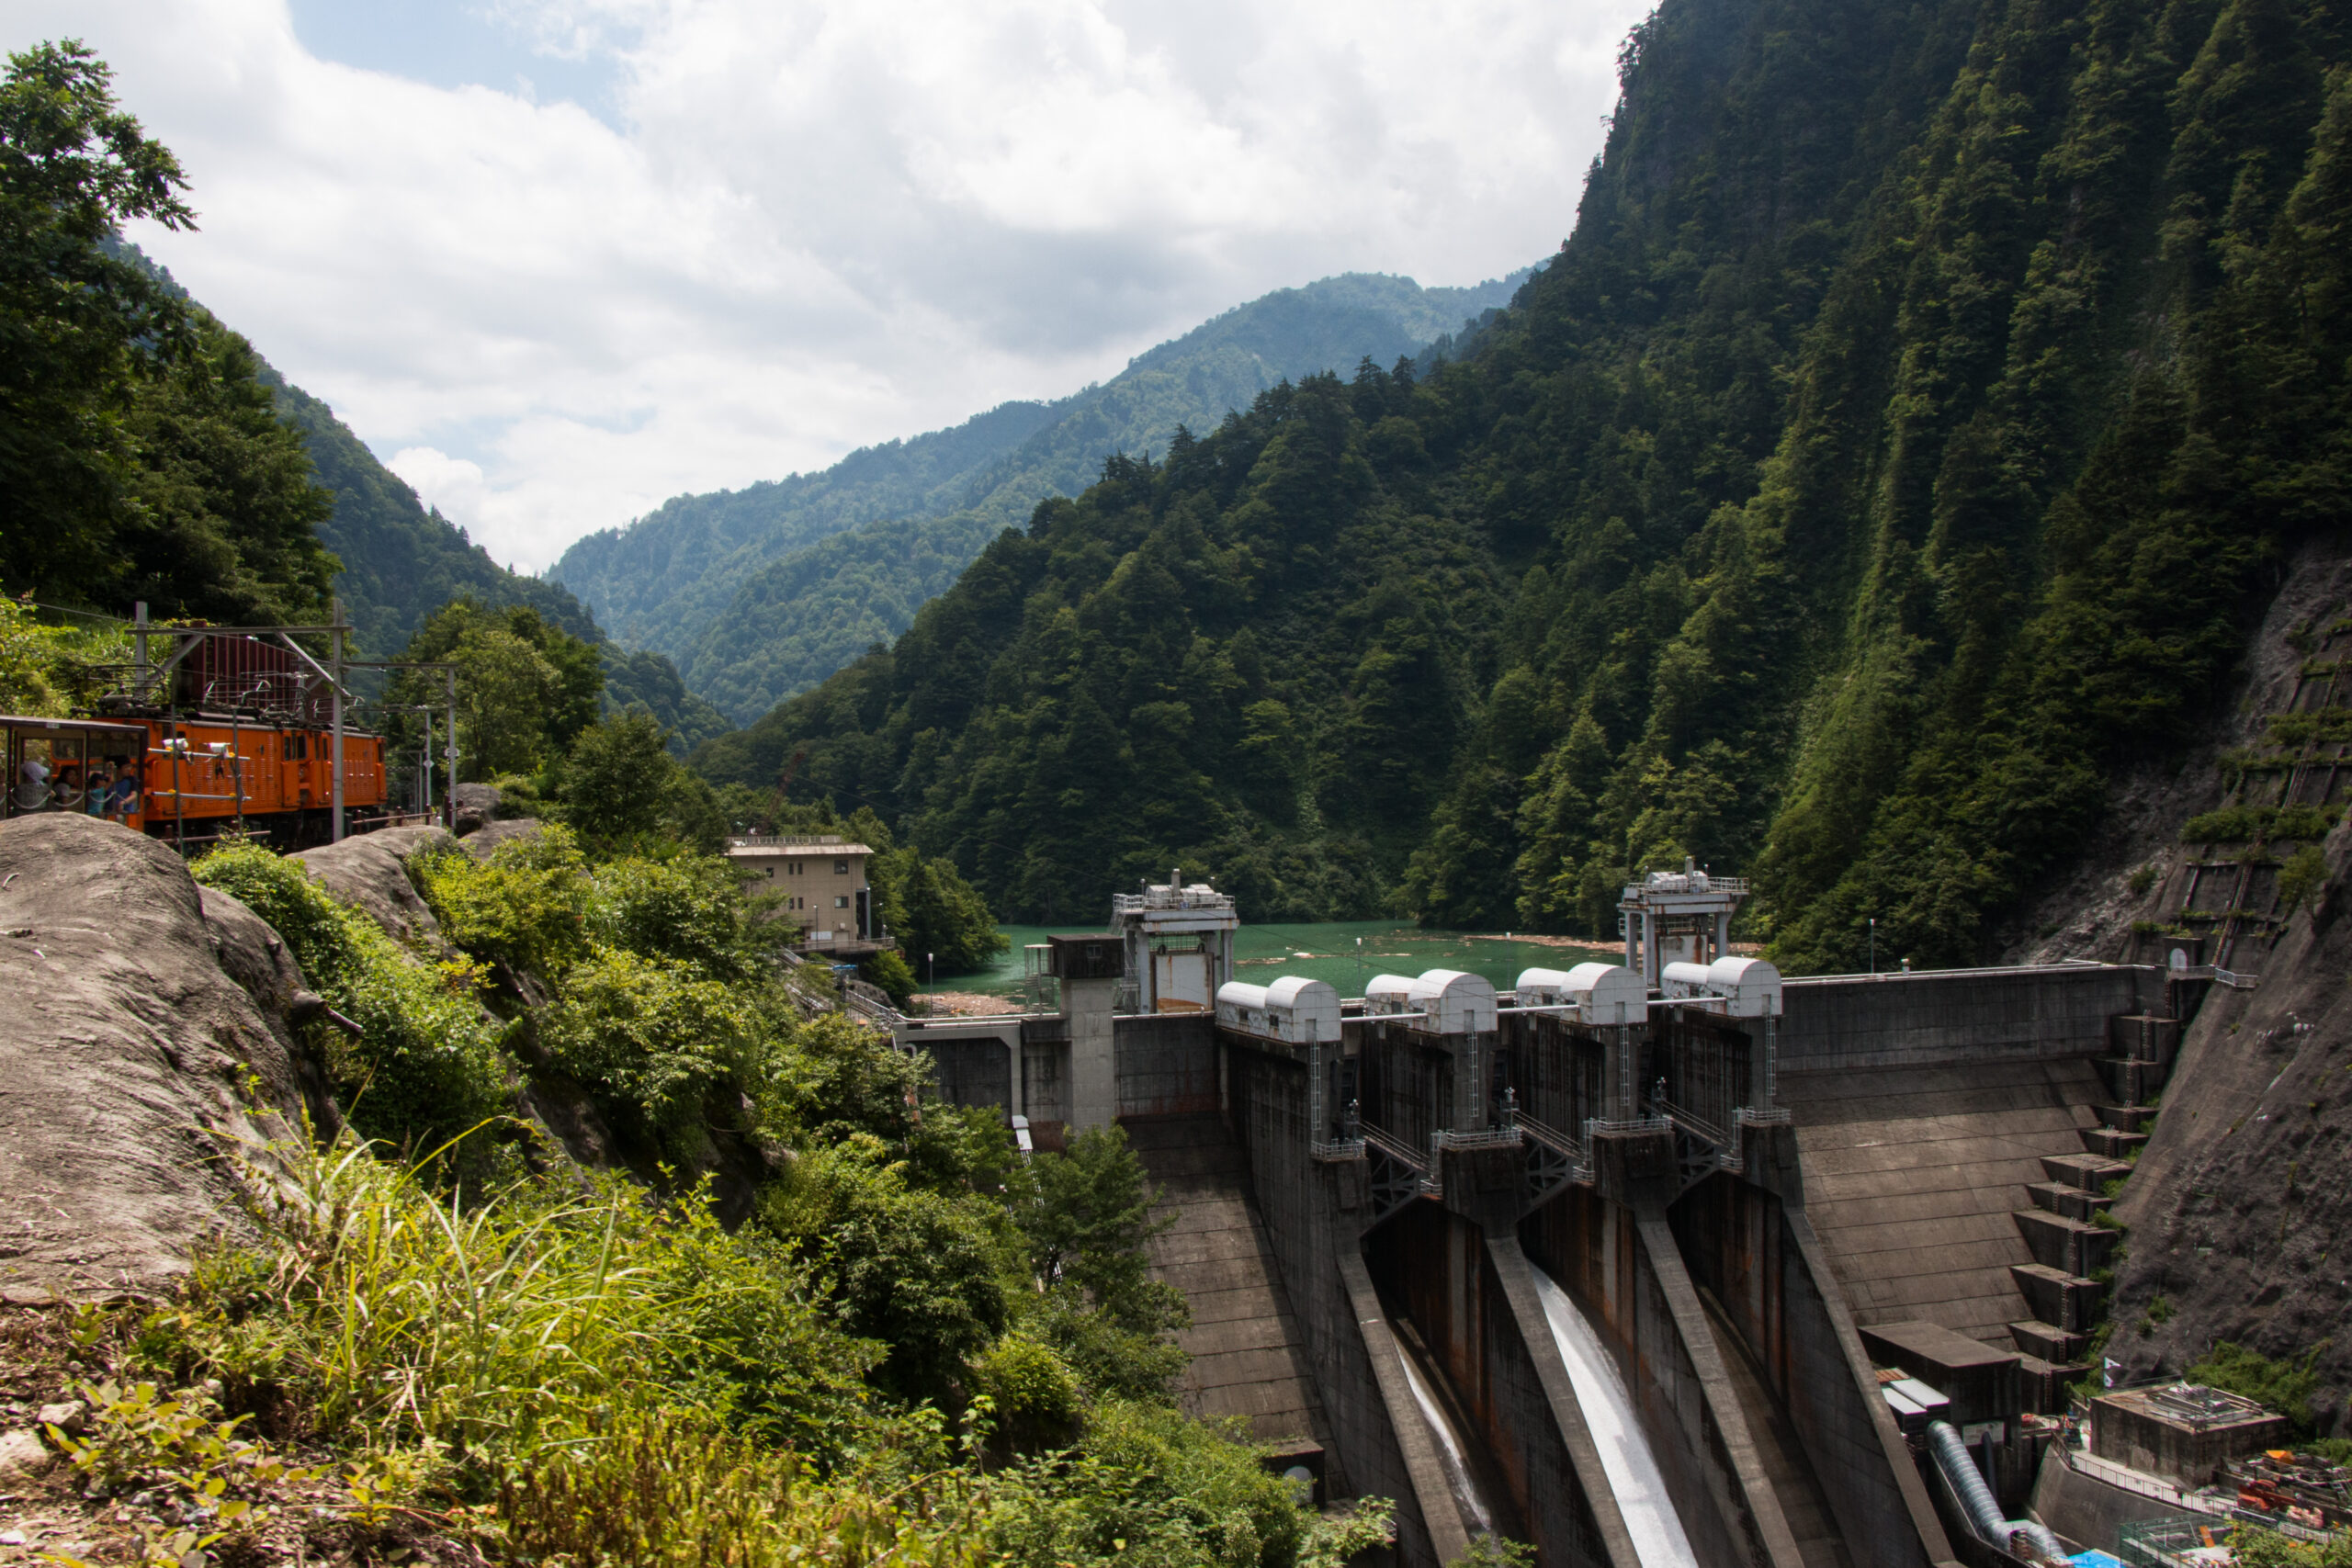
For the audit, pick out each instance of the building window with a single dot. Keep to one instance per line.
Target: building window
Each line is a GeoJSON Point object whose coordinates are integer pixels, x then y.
{"type": "Point", "coordinates": [841, 868]}
{"type": "Point", "coordinates": [840, 901]}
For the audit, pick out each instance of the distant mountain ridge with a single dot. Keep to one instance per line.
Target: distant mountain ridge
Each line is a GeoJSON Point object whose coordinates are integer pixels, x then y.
{"type": "Point", "coordinates": [760, 592]}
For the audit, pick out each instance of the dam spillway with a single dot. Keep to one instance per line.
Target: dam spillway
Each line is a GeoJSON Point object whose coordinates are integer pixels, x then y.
{"type": "Point", "coordinates": [1436, 1162]}
{"type": "Point", "coordinates": [1635, 1478]}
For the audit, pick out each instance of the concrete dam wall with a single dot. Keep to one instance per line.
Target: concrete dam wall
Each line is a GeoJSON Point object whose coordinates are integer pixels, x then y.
{"type": "Point", "coordinates": [1374, 1210]}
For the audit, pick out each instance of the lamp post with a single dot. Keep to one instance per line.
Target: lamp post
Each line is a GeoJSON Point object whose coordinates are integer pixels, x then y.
{"type": "Point", "coordinates": [1873, 944]}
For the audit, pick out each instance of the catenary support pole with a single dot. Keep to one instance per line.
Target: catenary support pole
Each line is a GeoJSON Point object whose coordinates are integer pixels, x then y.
{"type": "Point", "coordinates": [334, 682]}
{"type": "Point", "coordinates": [450, 797]}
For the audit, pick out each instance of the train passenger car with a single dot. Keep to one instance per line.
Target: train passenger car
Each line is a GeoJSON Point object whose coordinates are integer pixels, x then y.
{"type": "Point", "coordinates": [74, 764]}
{"type": "Point", "coordinates": [195, 779]}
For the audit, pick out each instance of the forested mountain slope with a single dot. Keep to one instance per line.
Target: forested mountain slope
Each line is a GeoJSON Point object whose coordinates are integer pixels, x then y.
{"type": "Point", "coordinates": [401, 563]}
{"type": "Point", "coordinates": [1897, 448]}
{"type": "Point", "coordinates": [760, 592]}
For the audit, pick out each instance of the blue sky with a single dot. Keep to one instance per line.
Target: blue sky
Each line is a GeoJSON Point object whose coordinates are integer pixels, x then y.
{"type": "Point", "coordinates": [557, 260]}
{"type": "Point", "coordinates": [457, 43]}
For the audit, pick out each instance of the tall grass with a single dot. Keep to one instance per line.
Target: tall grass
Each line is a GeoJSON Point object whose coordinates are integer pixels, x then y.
{"type": "Point", "coordinates": [612, 1381]}
{"type": "Point", "coordinates": [395, 1316]}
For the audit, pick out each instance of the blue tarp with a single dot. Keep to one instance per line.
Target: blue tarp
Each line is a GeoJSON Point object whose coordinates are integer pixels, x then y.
{"type": "Point", "coordinates": [2097, 1560]}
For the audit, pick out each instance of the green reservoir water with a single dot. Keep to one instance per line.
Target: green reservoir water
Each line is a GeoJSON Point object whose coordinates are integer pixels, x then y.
{"type": "Point", "coordinates": [1345, 952]}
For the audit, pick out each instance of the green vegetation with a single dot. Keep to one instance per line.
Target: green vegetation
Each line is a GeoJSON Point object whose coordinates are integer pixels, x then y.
{"type": "Point", "coordinates": [138, 431]}
{"type": "Point", "coordinates": [827, 1312]}
{"type": "Point", "coordinates": [760, 592]}
{"type": "Point", "coordinates": [427, 1068]}
{"type": "Point", "coordinates": [2251, 1546]}
{"type": "Point", "coordinates": [525, 687]}
{"type": "Point", "coordinates": [2327, 726]}
{"type": "Point", "coordinates": [2285, 1386]}
{"type": "Point", "coordinates": [1849, 551]}
{"type": "Point", "coordinates": [49, 670]}
{"type": "Point", "coordinates": [2304, 874]}
{"type": "Point", "coordinates": [2259, 824]}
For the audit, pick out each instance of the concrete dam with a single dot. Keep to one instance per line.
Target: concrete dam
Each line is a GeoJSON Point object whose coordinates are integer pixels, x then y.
{"type": "Point", "coordinates": [1634, 1263]}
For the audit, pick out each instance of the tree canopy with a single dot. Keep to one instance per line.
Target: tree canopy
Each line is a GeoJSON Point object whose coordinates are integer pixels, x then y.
{"type": "Point", "coordinates": [138, 455]}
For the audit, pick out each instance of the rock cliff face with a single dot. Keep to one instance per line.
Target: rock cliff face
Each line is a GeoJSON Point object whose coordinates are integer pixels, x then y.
{"type": "Point", "coordinates": [2240, 1208]}
{"type": "Point", "coordinates": [371, 873]}
{"type": "Point", "coordinates": [144, 1030]}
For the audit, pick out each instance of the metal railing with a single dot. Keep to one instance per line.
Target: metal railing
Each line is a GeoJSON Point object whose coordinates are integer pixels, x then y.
{"type": "Point", "coordinates": [2216, 973]}
{"type": "Point", "coordinates": [1485, 1138]}
{"type": "Point", "coordinates": [1169, 899]}
{"type": "Point", "coordinates": [1595, 1124]}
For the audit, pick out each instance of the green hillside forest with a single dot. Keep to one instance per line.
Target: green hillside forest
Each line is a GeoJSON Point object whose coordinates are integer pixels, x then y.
{"type": "Point", "coordinates": [182, 468]}
{"type": "Point", "coordinates": [1902, 443]}
{"type": "Point", "coordinates": [761, 592]}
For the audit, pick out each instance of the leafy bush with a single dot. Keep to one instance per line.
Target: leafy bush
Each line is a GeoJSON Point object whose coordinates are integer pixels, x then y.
{"type": "Point", "coordinates": [658, 1492]}
{"type": "Point", "coordinates": [427, 1068]}
{"type": "Point", "coordinates": [526, 906]}
{"type": "Point", "coordinates": [921, 1271]}
{"type": "Point", "coordinates": [46, 671]}
{"type": "Point", "coordinates": [2142, 878]}
{"type": "Point", "coordinates": [2251, 1546]}
{"type": "Point", "coordinates": [651, 1038]}
{"type": "Point", "coordinates": [1146, 1486]}
{"type": "Point", "coordinates": [2229, 825]}
{"type": "Point", "coordinates": [889, 971]}
{"type": "Point", "coordinates": [685, 908]}
{"type": "Point", "coordinates": [2285, 1386]}
{"type": "Point", "coordinates": [1034, 1395]}
{"type": "Point", "coordinates": [2301, 822]}
{"type": "Point", "coordinates": [2249, 824]}
{"type": "Point", "coordinates": [2304, 874]}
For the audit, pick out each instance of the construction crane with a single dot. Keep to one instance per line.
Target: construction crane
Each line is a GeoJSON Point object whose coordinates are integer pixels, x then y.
{"type": "Point", "coordinates": [775, 802]}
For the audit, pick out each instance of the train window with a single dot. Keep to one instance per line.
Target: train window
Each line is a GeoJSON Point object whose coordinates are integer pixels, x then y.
{"type": "Point", "coordinates": [61, 766]}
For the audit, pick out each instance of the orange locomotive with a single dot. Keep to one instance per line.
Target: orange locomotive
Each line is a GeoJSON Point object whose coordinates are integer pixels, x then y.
{"type": "Point", "coordinates": [192, 780]}
{"type": "Point", "coordinates": [240, 747]}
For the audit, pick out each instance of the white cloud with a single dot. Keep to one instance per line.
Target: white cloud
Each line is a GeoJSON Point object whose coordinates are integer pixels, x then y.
{"type": "Point", "coordinates": [820, 223]}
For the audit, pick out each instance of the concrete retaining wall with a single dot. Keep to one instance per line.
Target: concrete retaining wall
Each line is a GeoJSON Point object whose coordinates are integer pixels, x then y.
{"type": "Point", "coordinates": [973, 1070]}
{"type": "Point", "coordinates": [1314, 1213]}
{"type": "Point", "coordinates": [1167, 1064]}
{"type": "Point", "coordinates": [1958, 1015]}
{"type": "Point", "coordinates": [1757, 1255]}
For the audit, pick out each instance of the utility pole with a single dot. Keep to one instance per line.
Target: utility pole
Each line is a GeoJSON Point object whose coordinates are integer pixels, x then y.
{"type": "Point", "coordinates": [449, 689]}
{"type": "Point", "coordinates": [334, 684]}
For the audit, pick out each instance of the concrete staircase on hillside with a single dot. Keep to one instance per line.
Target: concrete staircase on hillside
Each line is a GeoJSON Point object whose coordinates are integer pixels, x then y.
{"type": "Point", "coordinates": [2068, 1248]}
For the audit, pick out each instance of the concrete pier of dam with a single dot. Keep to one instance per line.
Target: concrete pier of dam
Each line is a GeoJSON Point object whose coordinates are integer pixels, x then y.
{"type": "Point", "coordinates": [1744, 1190]}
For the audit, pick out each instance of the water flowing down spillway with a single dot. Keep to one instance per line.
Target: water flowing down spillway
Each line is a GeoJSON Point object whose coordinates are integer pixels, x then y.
{"type": "Point", "coordinates": [1608, 1406]}
{"type": "Point", "coordinates": [1476, 1515]}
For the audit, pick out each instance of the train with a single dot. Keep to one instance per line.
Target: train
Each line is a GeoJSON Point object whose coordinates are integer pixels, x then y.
{"type": "Point", "coordinates": [234, 741]}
